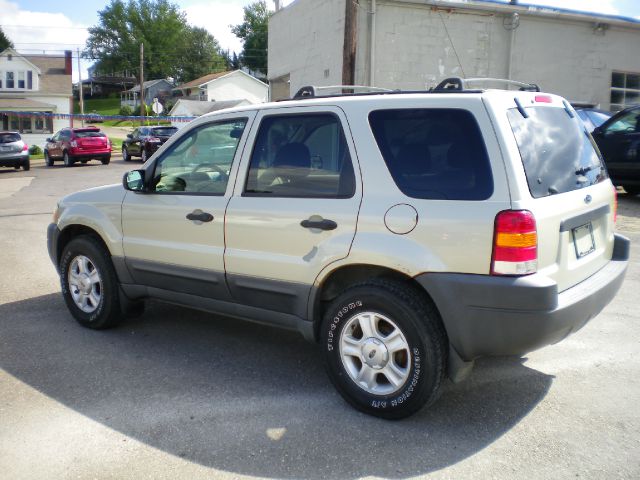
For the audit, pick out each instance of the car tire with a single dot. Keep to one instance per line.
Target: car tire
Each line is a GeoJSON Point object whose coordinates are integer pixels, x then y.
{"type": "Point", "coordinates": [144, 155]}
{"type": "Point", "coordinates": [106, 160]}
{"type": "Point", "coordinates": [89, 284]}
{"type": "Point", "coordinates": [26, 165]}
{"type": "Point", "coordinates": [631, 189]}
{"type": "Point", "coordinates": [68, 162]}
{"type": "Point", "coordinates": [48, 161]}
{"type": "Point", "coordinates": [125, 154]}
{"type": "Point", "coordinates": [393, 366]}
{"type": "Point", "coordinates": [17, 166]}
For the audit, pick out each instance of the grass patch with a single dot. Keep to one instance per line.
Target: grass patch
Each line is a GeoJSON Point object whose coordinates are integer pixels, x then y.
{"type": "Point", "coordinates": [104, 106]}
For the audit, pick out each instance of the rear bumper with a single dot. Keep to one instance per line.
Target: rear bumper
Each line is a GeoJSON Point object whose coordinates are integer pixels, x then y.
{"type": "Point", "coordinates": [12, 160]}
{"type": "Point", "coordinates": [77, 154]}
{"type": "Point", "coordinates": [489, 315]}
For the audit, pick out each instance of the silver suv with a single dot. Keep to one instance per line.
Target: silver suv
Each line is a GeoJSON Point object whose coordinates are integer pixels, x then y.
{"type": "Point", "coordinates": [407, 233]}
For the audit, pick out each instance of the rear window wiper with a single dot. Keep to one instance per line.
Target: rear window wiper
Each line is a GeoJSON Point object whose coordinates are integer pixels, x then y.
{"type": "Point", "coordinates": [583, 170]}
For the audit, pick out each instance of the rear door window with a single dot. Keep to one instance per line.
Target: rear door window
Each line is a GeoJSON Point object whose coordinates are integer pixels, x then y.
{"type": "Point", "coordinates": [88, 133]}
{"type": "Point", "coordinates": [557, 153]}
{"type": "Point", "coordinates": [435, 153]}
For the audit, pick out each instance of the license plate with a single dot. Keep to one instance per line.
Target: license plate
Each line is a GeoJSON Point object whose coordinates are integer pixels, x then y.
{"type": "Point", "coordinates": [583, 240]}
{"type": "Point", "coordinates": [5, 149]}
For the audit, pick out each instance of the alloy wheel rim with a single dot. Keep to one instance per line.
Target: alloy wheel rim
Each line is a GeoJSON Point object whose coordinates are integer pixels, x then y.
{"type": "Point", "coordinates": [375, 353]}
{"type": "Point", "coordinates": [85, 284]}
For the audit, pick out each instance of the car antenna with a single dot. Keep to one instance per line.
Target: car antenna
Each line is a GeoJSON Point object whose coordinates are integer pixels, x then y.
{"type": "Point", "coordinates": [444, 24]}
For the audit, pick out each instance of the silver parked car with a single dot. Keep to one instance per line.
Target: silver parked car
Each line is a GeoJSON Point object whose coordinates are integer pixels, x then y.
{"type": "Point", "coordinates": [14, 152]}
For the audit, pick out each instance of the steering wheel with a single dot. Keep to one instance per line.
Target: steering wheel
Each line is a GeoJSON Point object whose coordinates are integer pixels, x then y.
{"type": "Point", "coordinates": [210, 166]}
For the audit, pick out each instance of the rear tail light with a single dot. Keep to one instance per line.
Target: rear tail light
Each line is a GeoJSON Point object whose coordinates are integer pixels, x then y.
{"type": "Point", "coordinates": [73, 144]}
{"type": "Point", "coordinates": [25, 147]}
{"type": "Point", "coordinates": [515, 243]}
{"type": "Point", "coordinates": [615, 204]}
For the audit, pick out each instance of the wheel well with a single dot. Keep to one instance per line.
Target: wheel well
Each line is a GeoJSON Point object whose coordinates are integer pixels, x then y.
{"type": "Point", "coordinates": [342, 278]}
{"type": "Point", "coordinates": [72, 231]}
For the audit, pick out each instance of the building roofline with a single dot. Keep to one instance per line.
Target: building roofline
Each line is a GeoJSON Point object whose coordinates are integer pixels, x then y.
{"type": "Point", "coordinates": [15, 53]}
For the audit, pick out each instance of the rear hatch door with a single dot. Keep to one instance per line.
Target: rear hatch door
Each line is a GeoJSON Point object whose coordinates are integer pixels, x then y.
{"type": "Point", "coordinates": [561, 178]}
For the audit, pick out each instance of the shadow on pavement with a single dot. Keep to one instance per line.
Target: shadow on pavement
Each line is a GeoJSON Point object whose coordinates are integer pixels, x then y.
{"type": "Point", "coordinates": [248, 399]}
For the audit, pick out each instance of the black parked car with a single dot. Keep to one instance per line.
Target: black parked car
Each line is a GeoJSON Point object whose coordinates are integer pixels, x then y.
{"type": "Point", "coordinates": [144, 141]}
{"type": "Point", "coordinates": [619, 141]}
{"type": "Point", "coordinates": [593, 117]}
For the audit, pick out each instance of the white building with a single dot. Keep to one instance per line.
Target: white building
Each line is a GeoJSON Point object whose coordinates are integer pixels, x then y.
{"type": "Point", "coordinates": [33, 89]}
{"type": "Point", "coordinates": [414, 44]}
{"type": "Point", "coordinates": [196, 108]}
{"type": "Point", "coordinates": [225, 86]}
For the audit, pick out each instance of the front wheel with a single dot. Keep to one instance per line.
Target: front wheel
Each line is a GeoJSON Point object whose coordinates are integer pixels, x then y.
{"type": "Point", "coordinates": [47, 159]}
{"type": "Point", "coordinates": [89, 284]}
{"type": "Point", "coordinates": [125, 154]}
{"type": "Point", "coordinates": [385, 348]}
{"type": "Point", "coordinates": [67, 160]}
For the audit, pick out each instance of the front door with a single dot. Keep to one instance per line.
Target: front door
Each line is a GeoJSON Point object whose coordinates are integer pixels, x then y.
{"type": "Point", "coordinates": [173, 235]}
{"type": "Point", "coordinates": [294, 209]}
{"type": "Point", "coordinates": [619, 142]}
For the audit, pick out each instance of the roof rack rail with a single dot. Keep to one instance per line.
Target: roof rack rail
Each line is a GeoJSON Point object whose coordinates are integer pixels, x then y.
{"type": "Point", "coordinates": [461, 84]}
{"type": "Point", "coordinates": [311, 91]}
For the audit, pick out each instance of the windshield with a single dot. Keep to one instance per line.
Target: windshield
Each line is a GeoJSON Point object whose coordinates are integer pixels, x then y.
{"type": "Point", "coordinates": [557, 152]}
{"type": "Point", "coordinates": [164, 132]}
{"type": "Point", "coordinates": [88, 133]}
{"type": "Point", "coordinates": [9, 137]}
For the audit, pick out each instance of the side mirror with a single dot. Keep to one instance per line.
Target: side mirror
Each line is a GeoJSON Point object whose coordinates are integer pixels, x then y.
{"type": "Point", "coordinates": [49, 139]}
{"type": "Point", "coordinates": [597, 131]}
{"type": "Point", "coordinates": [129, 135]}
{"type": "Point", "coordinates": [134, 181]}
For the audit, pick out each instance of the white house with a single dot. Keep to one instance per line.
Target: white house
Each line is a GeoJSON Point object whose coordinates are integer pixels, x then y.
{"type": "Point", "coordinates": [195, 108]}
{"type": "Point", "coordinates": [225, 86]}
{"type": "Point", "coordinates": [38, 85]}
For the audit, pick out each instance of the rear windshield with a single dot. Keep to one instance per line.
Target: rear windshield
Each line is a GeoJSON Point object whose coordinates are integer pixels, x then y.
{"type": "Point", "coordinates": [88, 133]}
{"type": "Point", "coordinates": [557, 152]}
{"type": "Point", "coordinates": [434, 153]}
{"type": "Point", "coordinates": [9, 137]}
{"type": "Point", "coordinates": [164, 132]}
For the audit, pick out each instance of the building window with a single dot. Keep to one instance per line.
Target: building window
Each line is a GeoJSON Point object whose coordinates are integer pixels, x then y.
{"type": "Point", "coordinates": [39, 123]}
{"type": "Point", "coordinates": [14, 123]}
{"type": "Point", "coordinates": [20, 79]}
{"type": "Point", "coordinates": [30, 80]}
{"type": "Point", "coordinates": [10, 82]}
{"type": "Point", "coordinates": [625, 90]}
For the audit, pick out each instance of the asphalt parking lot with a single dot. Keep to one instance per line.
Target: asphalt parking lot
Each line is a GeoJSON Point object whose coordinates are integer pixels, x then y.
{"type": "Point", "coordinates": [184, 394]}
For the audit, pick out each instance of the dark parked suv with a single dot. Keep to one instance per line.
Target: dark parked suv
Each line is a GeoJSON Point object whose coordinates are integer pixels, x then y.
{"type": "Point", "coordinates": [73, 145]}
{"type": "Point", "coordinates": [619, 142]}
{"type": "Point", "coordinates": [144, 141]}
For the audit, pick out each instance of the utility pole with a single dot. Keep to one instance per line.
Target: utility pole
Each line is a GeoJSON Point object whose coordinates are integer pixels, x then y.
{"type": "Point", "coordinates": [142, 106]}
{"type": "Point", "coordinates": [349, 48]}
{"type": "Point", "coordinates": [80, 90]}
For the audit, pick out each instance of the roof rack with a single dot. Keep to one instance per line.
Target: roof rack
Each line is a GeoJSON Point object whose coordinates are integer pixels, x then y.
{"type": "Point", "coordinates": [311, 91]}
{"type": "Point", "coordinates": [461, 84]}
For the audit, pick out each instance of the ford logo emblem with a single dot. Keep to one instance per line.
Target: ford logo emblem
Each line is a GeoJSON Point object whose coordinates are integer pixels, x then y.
{"type": "Point", "coordinates": [587, 199]}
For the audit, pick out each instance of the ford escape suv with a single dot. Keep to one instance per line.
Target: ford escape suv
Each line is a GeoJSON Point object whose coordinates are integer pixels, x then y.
{"type": "Point", "coordinates": [408, 233]}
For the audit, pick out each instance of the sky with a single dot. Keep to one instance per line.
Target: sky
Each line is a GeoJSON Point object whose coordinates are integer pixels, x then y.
{"type": "Point", "coordinates": [51, 26]}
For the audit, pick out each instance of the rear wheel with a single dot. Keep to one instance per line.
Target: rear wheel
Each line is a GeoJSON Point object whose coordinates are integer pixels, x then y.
{"type": "Point", "coordinates": [632, 189]}
{"type": "Point", "coordinates": [144, 155]}
{"type": "Point", "coordinates": [89, 284]}
{"type": "Point", "coordinates": [125, 154]}
{"type": "Point", "coordinates": [17, 166]}
{"type": "Point", "coordinates": [106, 160]}
{"type": "Point", "coordinates": [67, 159]}
{"type": "Point", "coordinates": [26, 165]}
{"type": "Point", "coordinates": [385, 348]}
{"type": "Point", "coordinates": [47, 159]}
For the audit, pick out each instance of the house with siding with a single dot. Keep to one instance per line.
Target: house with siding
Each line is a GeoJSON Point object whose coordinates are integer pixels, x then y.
{"type": "Point", "coordinates": [34, 91]}
{"type": "Point", "coordinates": [160, 89]}
{"type": "Point", "coordinates": [224, 86]}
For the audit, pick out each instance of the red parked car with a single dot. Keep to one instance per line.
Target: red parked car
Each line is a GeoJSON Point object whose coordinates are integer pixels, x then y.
{"type": "Point", "coordinates": [78, 145]}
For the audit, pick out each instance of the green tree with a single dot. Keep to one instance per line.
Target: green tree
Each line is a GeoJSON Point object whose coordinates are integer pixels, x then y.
{"type": "Point", "coordinates": [172, 48]}
{"type": "Point", "coordinates": [4, 41]}
{"type": "Point", "coordinates": [253, 32]}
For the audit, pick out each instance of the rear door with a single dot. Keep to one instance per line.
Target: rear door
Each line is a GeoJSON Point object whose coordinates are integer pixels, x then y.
{"type": "Point", "coordinates": [295, 207]}
{"type": "Point", "coordinates": [565, 185]}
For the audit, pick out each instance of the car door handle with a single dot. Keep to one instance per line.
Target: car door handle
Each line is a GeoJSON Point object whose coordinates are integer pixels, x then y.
{"type": "Point", "coordinates": [323, 224]}
{"type": "Point", "coordinates": [199, 216]}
